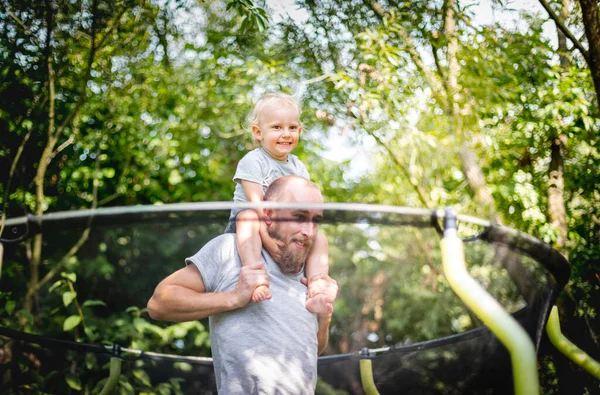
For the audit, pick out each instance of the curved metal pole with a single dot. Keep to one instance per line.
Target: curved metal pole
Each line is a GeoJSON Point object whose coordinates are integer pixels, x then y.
{"type": "Point", "coordinates": [113, 378]}
{"type": "Point", "coordinates": [569, 349]}
{"type": "Point", "coordinates": [502, 324]}
{"type": "Point", "coordinates": [366, 376]}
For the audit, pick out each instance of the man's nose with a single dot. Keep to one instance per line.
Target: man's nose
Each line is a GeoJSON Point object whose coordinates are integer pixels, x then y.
{"type": "Point", "coordinates": [309, 228]}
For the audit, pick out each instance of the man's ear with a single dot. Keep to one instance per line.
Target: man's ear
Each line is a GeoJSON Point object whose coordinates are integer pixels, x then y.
{"type": "Point", "coordinates": [268, 212]}
{"type": "Point", "coordinates": [256, 133]}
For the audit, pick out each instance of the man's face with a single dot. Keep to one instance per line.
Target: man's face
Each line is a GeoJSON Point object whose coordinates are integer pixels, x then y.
{"type": "Point", "coordinates": [295, 230]}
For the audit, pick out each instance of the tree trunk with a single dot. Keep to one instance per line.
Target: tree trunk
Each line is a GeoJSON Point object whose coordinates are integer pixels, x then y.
{"type": "Point", "coordinates": [556, 181]}
{"type": "Point", "coordinates": [563, 51]}
{"type": "Point", "coordinates": [470, 163]}
{"type": "Point", "coordinates": [556, 201]}
{"type": "Point", "coordinates": [591, 22]}
{"type": "Point", "coordinates": [453, 67]}
{"type": "Point", "coordinates": [36, 257]}
{"type": "Point", "coordinates": [476, 180]}
{"type": "Point", "coordinates": [54, 134]}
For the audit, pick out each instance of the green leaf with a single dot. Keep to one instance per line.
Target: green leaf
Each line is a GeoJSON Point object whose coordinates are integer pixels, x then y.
{"type": "Point", "coordinates": [73, 381]}
{"type": "Point", "coordinates": [68, 297]}
{"type": "Point", "coordinates": [132, 309]}
{"type": "Point", "coordinates": [71, 322]}
{"type": "Point", "coordinates": [90, 360]}
{"type": "Point", "coordinates": [108, 172]}
{"type": "Point", "coordinates": [70, 276]}
{"type": "Point", "coordinates": [56, 284]}
{"type": "Point", "coordinates": [142, 376]}
{"type": "Point", "coordinates": [10, 306]}
{"type": "Point", "coordinates": [91, 303]}
{"type": "Point", "coordinates": [90, 332]}
{"type": "Point", "coordinates": [26, 314]}
{"type": "Point", "coordinates": [258, 21]}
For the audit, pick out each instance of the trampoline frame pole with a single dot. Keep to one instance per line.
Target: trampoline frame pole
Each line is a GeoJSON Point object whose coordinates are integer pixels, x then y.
{"type": "Point", "coordinates": [366, 376]}
{"type": "Point", "coordinates": [502, 324]}
{"type": "Point", "coordinates": [566, 347]}
{"type": "Point", "coordinates": [366, 373]}
{"type": "Point", "coordinates": [113, 377]}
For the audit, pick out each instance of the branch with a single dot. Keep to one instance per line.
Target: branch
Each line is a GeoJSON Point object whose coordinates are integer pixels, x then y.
{"type": "Point", "coordinates": [162, 39]}
{"type": "Point", "coordinates": [334, 55]}
{"type": "Point", "coordinates": [436, 60]}
{"type": "Point", "coordinates": [27, 30]}
{"type": "Point", "coordinates": [13, 167]}
{"type": "Point", "coordinates": [232, 134]}
{"type": "Point", "coordinates": [84, 236]}
{"type": "Point", "coordinates": [398, 162]}
{"type": "Point", "coordinates": [317, 79]}
{"type": "Point", "coordinates": [437, 87]}
{"type": "Point", "coordinates": [109, 29]}
{"type": "Point", "coordinates": [121, 181]}
{"type": "Point", "coordinates": [377, 8]}
{"type": "Point", "coordinates": [565, 30]}
{"type": "Point", "coordinates": [64, 145]}
{"type": "Point", "coordinates": [453, 67]}
{"type": "Point", "coordinates": [87, 74]}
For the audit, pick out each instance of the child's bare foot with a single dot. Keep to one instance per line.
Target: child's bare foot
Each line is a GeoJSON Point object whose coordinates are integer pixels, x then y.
{"type": "Point", "coordinates": [261, 293]}
{"type": "Point", "coordinates": [319, 304]}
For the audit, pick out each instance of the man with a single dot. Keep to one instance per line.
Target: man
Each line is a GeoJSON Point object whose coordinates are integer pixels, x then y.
{"type": "Point", "coordinates": [268, 347]}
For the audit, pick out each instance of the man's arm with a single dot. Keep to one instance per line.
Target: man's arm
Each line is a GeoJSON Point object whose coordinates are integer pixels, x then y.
{"type": "Point", "coordinates": [182, 296]}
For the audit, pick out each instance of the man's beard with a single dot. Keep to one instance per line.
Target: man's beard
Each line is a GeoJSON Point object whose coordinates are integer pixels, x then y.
{"type": "Point", "coordinates": [292, 259]}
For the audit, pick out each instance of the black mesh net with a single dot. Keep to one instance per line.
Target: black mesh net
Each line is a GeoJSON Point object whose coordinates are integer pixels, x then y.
{"type": "Point", "coordinates": [394, 305]}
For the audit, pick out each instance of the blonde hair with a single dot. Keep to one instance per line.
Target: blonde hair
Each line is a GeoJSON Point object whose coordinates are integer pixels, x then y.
{"type": "Point", "coordinates": [269, 98]}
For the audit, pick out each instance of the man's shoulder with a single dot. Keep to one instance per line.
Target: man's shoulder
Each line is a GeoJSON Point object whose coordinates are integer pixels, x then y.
{"type": "Point", "coordinates": [225, 239]}
{"type": "Point", "coordinates": [222, 244]}
{"type": "Point", "coordinates": [216, 251]}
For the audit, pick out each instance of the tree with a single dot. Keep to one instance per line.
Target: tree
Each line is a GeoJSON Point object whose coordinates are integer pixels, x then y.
{"type": "Point", "coordinates": [591, 23]}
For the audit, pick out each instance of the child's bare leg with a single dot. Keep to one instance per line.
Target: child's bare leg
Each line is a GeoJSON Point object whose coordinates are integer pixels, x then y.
{"type": "Point", "coordinates": [318, 263]}
{"type": "Point", "coordinates": [250, 247]}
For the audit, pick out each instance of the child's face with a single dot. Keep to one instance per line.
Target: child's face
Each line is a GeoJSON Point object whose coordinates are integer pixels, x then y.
{"type": "Point", "coordinates": [278, 130]}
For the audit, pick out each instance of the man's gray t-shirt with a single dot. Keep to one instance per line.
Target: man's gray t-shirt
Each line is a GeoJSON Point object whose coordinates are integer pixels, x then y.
{"type": "Point", "coordinates": [259, 167]}
{"type": "Point", "coordinates": [262, 348]}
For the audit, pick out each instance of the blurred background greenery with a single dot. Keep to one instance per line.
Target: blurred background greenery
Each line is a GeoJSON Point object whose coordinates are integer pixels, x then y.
{"type": "Point", "coordinates": [421, 104]}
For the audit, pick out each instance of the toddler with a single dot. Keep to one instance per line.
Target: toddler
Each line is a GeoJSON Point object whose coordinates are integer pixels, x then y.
{"type": "Point", "coordinates": [275, 124]}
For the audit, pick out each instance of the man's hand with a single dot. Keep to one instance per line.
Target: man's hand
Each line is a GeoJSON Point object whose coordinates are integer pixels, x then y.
{"type": "Point", "coordinates": [251, 276]}
{"type": "Point", "coordinates": [322, 292]}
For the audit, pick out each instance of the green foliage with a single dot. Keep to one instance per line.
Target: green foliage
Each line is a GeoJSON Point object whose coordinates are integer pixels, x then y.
{"type": "Point", "coordinates": [155, 113]}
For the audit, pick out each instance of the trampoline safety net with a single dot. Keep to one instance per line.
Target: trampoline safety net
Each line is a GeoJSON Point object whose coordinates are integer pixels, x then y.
{"type": "Point", "coordinates": [394, 306]}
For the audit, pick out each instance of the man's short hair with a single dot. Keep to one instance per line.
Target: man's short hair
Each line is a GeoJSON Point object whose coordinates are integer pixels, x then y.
{"type": "Point", "coordinates": [275, 190]}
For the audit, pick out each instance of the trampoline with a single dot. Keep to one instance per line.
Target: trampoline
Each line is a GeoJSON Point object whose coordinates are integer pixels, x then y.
{"type": "Point", "coordinates": [396, 307]}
